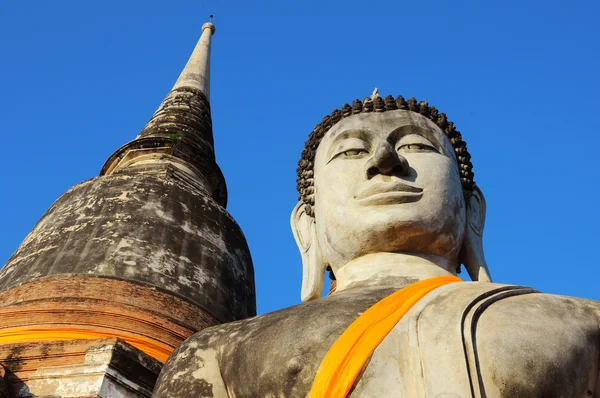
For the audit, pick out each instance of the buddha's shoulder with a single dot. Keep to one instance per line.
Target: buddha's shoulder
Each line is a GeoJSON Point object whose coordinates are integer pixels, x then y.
{"type": "Point", "coordinates": [318, 319]}
{"type": "Point", "coordinates": [498, 303]}
{"type": "Point", "coordinates": [474, 292]}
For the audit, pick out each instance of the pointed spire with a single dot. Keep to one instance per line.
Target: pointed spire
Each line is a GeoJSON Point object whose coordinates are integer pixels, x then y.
{"type": "Point", "coordinates": [196, 73]}
{"type": "Point", "coordinates": [186, 109]}
{"type": "Point", "coordinates": [180, 131]}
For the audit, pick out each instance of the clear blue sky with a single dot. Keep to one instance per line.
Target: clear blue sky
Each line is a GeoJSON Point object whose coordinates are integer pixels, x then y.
{"type": "Point", "coordinates": [519, 79]}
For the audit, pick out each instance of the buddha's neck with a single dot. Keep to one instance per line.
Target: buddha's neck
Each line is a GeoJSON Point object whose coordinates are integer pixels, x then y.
{"type": "Point", "coordinates": [391, 270]}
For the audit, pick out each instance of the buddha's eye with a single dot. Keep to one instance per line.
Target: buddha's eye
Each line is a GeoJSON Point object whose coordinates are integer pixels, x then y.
{"type": "Point", "coordinates": [416, 148]}
{"type": "Point", "coordinates": [354, 152]}
{"type": "Point", "coordinates": [350, 148]}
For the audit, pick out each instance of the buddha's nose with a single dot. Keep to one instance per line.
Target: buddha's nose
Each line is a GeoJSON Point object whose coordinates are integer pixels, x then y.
{"type": "Point", "coordinates": [386, 161]}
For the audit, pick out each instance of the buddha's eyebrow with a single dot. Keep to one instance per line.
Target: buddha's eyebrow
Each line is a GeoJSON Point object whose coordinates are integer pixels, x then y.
{"type": "Point", "coordinates": [346, 134]}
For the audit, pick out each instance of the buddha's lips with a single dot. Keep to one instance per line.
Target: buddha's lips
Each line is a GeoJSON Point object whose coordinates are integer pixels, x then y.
{"type": "Point", "coordinates": [389, 187]}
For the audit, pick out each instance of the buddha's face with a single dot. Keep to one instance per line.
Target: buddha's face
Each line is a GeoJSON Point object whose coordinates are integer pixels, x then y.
{"type": "Point", "coordinates": [387, 182]}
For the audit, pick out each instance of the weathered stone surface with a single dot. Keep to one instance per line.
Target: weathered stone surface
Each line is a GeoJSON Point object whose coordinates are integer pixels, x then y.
{"type": "Point", "coordinates": [146, 229]}
{"type": "Point", "coordinates": [105, 368]}
{"type": "Point", "coordinates": [274, 354]}
{"type": "Point", "coordinates": [180, 131]}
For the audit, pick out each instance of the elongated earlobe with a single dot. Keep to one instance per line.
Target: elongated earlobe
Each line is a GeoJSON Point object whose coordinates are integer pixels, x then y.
{"type": "Point", "coordinates": [313, 266]}
{"type": "Point", "coordinates": [472, 255]}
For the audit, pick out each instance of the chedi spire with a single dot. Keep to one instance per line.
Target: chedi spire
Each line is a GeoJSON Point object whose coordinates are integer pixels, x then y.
{"type": "Point", "coordinates": [181, 128]}
{"type": "Point", "coordinates": [145, 252]}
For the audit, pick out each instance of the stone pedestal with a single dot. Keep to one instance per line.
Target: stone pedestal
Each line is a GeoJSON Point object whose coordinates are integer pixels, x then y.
{"type": "Point", "coordinates": [102, 368]}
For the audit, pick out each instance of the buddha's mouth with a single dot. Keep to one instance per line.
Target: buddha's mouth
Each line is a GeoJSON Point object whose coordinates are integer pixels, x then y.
{"type": "Point", "coordinates": [390, 193]}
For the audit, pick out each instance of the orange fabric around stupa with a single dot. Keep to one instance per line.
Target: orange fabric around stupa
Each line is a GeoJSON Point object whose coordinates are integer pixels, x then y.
{"type": "Point", "coordinates": [347, 356]}
{"type": "Point", "coordinates": [151, 347]}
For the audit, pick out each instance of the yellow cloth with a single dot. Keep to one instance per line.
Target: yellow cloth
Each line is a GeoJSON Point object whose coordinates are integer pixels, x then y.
{"type": "Point", "coordinates": [347, 356]}
{"type": "Point", "coordinates": [151, 347]}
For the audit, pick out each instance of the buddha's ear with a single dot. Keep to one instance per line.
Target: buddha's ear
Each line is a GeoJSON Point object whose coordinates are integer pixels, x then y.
{"type": "Point", "coordinates": [313, 266]}
{"type": "Point", "coordinates": [471, 254]}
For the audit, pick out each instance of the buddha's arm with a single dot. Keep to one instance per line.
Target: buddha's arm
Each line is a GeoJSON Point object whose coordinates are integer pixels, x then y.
{"type": "Point", "coordinates": [192, 371]}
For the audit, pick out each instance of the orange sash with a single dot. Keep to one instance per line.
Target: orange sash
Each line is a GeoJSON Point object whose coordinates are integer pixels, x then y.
{"type": "Point", "coordinates": [347, 356]}
{"type": "Point", "coordinates": [151, 347]}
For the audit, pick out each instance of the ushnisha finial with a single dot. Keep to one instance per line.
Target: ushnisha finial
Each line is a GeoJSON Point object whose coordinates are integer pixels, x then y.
{"type": "Point", "coordinates": [196, 73]}
{"type": "Point", "coordinates": [375, 93]}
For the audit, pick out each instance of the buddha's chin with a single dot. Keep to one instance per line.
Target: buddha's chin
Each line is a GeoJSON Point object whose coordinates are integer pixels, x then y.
{"type": "Point", "coordinates": [385, 211]}
{"type": "Point", "coordinates": [409, 241]}
{"type": "Point", "coordinates": [396, 228]}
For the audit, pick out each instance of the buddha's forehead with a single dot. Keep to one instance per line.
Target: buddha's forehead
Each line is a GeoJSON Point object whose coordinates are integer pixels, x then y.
{"type": "Point", "coordinates": [383, 124]}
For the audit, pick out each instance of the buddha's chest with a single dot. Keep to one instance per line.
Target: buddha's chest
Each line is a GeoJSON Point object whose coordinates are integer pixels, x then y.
{"type": "Point", "coordinates": [524, 347]}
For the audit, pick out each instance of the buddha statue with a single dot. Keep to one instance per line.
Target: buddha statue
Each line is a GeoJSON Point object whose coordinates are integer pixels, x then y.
{"type": "Point", "coordinates": [387, 202]}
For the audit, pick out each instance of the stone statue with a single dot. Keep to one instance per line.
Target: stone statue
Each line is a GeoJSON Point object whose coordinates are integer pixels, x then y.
{"type": "Point", "coordinates": [387, 199]}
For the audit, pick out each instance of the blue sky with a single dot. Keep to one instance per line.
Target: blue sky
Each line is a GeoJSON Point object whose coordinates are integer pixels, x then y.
{"type": "Point", "coordinates": [519, 79]}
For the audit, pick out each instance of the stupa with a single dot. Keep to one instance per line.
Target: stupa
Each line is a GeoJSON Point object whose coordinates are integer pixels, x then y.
{"type": "Point", "coordinates": [123, 267]}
